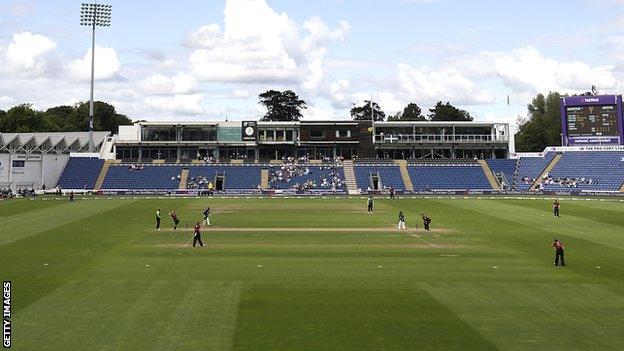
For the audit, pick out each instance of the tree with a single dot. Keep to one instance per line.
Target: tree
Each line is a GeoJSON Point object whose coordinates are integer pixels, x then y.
{"type": "Point", "coordinates": [363, 113]}
{"type": "Point", "coordinates": [593, 92]}
{"type": "Point", "coordinates": [282, 106]}
{"type": "Point", "coordinates": [23, 118]}
{"type": "Point", "coordinates": [542, 128]}
{"type": "Point", "coordinates": [61, 118]}
{"type": "Point", "coordinates": [448, 112]}
{"type": "Point", "coordinates": [411, 112]}
{"type": "Point", "coordinates": [105, 118]}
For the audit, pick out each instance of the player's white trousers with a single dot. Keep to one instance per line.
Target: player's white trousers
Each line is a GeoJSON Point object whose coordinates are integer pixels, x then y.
{"type": "Point", "coordinates": [402, 225]}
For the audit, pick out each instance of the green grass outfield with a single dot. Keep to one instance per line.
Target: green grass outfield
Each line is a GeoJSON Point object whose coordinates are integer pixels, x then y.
{"type": "Point", "coordinates": [95, 275]}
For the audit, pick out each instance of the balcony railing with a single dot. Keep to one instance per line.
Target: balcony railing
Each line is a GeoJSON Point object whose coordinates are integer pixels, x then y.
{"type": "Point", "coordinates": [438, 138]}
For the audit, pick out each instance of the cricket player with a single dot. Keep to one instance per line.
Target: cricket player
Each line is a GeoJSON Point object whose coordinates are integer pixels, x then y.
{"type": "Point", "coordinates": [176, 220]}
{"type": "Point", "coordinates": [370, 202]}
{"type": "Point", "coordinates": [426, 221]}
{"type": "Point", "coordinates": [71, 196]}
{"type": "Point", "coordinates": [197, 235]}
{"type": "Point", "coordinates": [207, 214]}
{"type": "Point", "coordinates": [158, 218]}
{"type": "Point", "coordinates": [401, 221]}
{"type": "Point", "coordinates": [556, 208]}
{"type": "Point", "coordinates": [558, 246]}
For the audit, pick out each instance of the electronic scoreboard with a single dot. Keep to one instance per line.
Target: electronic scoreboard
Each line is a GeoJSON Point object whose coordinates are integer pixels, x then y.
{"type": "Point", "coordinates": [592, 120]}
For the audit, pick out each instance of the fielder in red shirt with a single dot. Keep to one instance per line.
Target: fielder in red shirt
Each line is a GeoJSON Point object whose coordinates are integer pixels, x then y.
{"type": "Point", "coordinates": [197, 235]}
{"type": "Point", "coordinates": [176, 220]}
{"type": "Point", "coordinates": [558, 246]}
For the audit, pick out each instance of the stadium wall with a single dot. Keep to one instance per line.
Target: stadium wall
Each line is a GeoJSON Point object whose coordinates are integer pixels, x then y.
{"type": "Point", "coordinates": [29, 170]}
{"type": "Point", "coordinates": [4, 168]}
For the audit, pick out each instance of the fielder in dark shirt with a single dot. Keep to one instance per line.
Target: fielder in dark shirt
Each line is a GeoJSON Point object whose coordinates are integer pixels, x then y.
{"type": "Point", "coordinates": [207, 216]}
{"type": "Point", "coordinates": [369, 203]}
{"type": "Point", "coordinates": [556, 208]}
{"type": "Point", "coordinates": [426, 221]}
{"type": "Point", "coordinates": [158, 218]}
{"type": "Point", "coordinates": [401, 221]}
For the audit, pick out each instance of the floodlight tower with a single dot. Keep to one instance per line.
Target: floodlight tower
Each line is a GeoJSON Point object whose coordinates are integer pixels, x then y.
{"type": "Point", "coordinates": [94, 15]}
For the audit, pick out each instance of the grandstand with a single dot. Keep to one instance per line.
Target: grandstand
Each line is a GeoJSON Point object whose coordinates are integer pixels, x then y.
{"type": "Point", "coordinates": [574, 171]}
{"type": "Point", "coordinates": [407, 156]}
{"type": "Point", "coordinates": [225, 177]}
{"type": "Point", "coordinates": [146, 176]}
{"type": "Point", "coordinates": [505, 169]}
{"type": "Point", "coordinates": [520, 173]}
{"type": "Point", "coordinates": [36, 160]}
{"type": "Point", "coordinates": [528, 169]}
{"type": "Point", "coordinates": [309, 177]}
{"type": "Point", "coordinates": [80, 173]}
{"type": "Point", "coordinates": [370, 176]}
{"type": "Point", "coordinates": [426, 177]}
{"type": "Point", "coordinates": [596, 171]}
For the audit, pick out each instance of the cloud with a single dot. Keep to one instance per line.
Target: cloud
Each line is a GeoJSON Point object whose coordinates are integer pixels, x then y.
{"type": "Point", "coordinates": [445, 84]}
{"type": "Point", "coordinates": [207, 37]}
{"type": "Point", "coordinates": [6, 102]}
{"type": "Point", "coordinates": [338, 92]}
{"type": "Point", "coordinates": [26, 53]}
{"type": "Point", "coordinates": [158, 84]}
{"type": "Point", "coordinates": [526, 70]}
{"type": "Point", "coordinates": [241, 94]}
{"type": "Point", "coordinates": [176, 104]}
{"type": "Point", "coordinates": [259, 45]}
{"type": "Point", "coordinates": [107, 65]}
{"type": "Point", "coordinates": [321, 33]}
{"type": "Point", "coordinates": [17, 8]}
{"type": "Point", "coordinates": [319, 112]}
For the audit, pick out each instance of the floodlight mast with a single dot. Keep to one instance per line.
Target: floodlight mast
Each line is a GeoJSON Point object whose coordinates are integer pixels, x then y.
{"type": "Point", "coordinates": [94, 15]}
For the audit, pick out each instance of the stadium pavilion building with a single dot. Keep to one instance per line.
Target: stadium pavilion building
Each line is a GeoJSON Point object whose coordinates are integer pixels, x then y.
{"type": "Point", "coordinates": [251, 140]}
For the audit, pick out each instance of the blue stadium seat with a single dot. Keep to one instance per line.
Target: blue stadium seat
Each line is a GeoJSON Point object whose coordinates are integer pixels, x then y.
{"type": "Point", "coordinates": [80, 173]}
{"type": "Point", "coordinates": [505, 166]}
{"type": "Point", "coordinates": [530, 168]}
{"type": "Point", "coordinates": [237, 177]}
{"type": "Point", "coordinates": [389, 174]}
{"type": "Point", "coordinates": [152, 176]}
{"type": "Point", "coordinates": [604, 168]}
{"type": "Point", "coordinates": [448, 177]}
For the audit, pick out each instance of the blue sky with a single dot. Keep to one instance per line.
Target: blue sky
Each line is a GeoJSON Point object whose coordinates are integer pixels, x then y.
{"type": "Point", "coordinates": [192, 60]}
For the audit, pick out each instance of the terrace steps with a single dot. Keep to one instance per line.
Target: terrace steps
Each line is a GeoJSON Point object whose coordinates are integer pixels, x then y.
{"type": "Point", "coordinates": [349, 173]}
{"type": "Point", "coordinates": [546, 170]}
{"type": "Point", "coordinates": [183, 179]}
{"type": "Point", "coordinates": [490, 175]}
{"type": "Point", "coordinates": [409, 186]}
{"type": "Point", "coordinates": [103, 171]}
{"type": "Point", "coordinates": [264, 179]}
